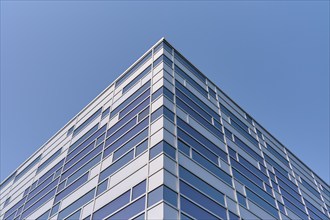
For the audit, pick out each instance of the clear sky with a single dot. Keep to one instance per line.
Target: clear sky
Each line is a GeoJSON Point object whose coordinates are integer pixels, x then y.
{"type": "Point", "coordinates": [272, 58]}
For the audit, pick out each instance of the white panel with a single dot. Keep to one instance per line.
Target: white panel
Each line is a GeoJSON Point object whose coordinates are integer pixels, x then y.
{"type": "Point", "coordinates": [41, 210]}
{"type": "Point", "coordinates": [157, 137]}
{"type": "Point", "coordinates": [156, 212]}
{"type": "Point", "coordinates": [157, 85]}
{"type": "Point", "coordinates": [113, 121]}
{"type": "Point", "coordinates": [157, 81]}
{"type": "Point", "coordinates": [225, 166]}
{"type": "Point", "coordinates": [156, 104]}
{"type": "Point", "coordinates": [132, 76]}
{"type": "Point", "coordinates": [87, 210]}
{"type": "Point", "coordinates": [117, 101]}
{"type": "Point", "coordinates": [119, 189]}
{"type": "Point", "coordinates": [104, 121]}
{"type": "Point", "coordinates": [129, 169]}
{"type": "Point", "coordinates": [94, 171]}
{"type": "Point", "coordinates": [146, 79]}
{"type": "Point", "coordinates": [158, 68]}
{"type": "Point", "coordinates": [79, 192]}
{"type": "Point", "coordinates": [156, 125]}
{"type": "Point", "coordinates": [51, 164]}
{"type": "Point", "coordinates": [159, 53]}
{"type": "Point", "coordinates": [92, 108]}
{"type": "Point", "coordinates": [83, 131]}
{"type": "Point", "coordinates": [156, 180]}
{"type": "Point", "coordinates": [106, 162]}
{"type": "Point", "coordinates": [58, 143]}
{"type": "Point", "coordinates": [156, 164]}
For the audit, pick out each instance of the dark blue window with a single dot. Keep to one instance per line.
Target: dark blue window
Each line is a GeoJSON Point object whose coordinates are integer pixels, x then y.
{"type": "Point", "coordinates": [50, 172]}
{"type": "Point", "coordinates": [197, 146]}
{"type": "Point", "coordinates": [55, 209]}
{"type": "Point", "coordinates": [160, 147]}
{"type": "Point", "coordinates": [50, 159]}
{"type": "Point", "coordinates": [130, 99]}
{"type": "Point", "coordinates": [163, 58]}
{"type": "Point", "coordinates": [135, 103]}
{"type": "Point", "coordinates": [77, 204]}
{"type": "Point", "coordinates": [102, 187]}
{"type": "Point", "coordinates": [83, 138]}
{"type": "Point", "coordinates": [241, 199]}
{"type": "Point", "coordinates": [89, 120]}
{"type": "Point", "coordinates": [212, 167]}
{"type": "Point", "coordinates": [79, 182]}
{"type": "Point", "coordinates": [143, 114]}
{"type": "Point", "coordinates": [247, 149]}
{"type": "Point", "coordinates": [262, 203]}
{"type": "Point", "coordinates": [212, 93]}
{"type": "Point", "coordinates": [84, 168]}
{"type": "Point", "coordinates": [112, 206]}
{"type": "Point", "coordinates": [202, 200]}
{"type": "Point", "coordinates": [191, 81]}
{"type": "Point", "coordinates": [105, 112]}
{"type": "Point", "coordinates": [128, 145]}
{"type": "Point", "coordinates": [138, 190]}
{"type": "Point", "coordinates": [194, 98]}
{"type": "Point", "coordinates": [36, 205]}
{"type": "Point", "coordinates": [194, 133]}
{"type": "Point", "coordinates": [122, 130]}
{"type": "Point", "coordinates": [193, 105]}
{"type": "Point", "coordinates": [137, 109]}
{"type": "Point", "coordinates": [139, 127]}
{"type": "Point", "coordinates": [130, 210]}
{"type": "Point", "coordinates": [184, 148]}
{"type": "Point", "coordinates": [162, 91]}
{"type": "Point", "coordinates": [189, 66]}
{"type": "Point", "coordinates": [116, 165]}
{"type": "Point", "coordinates": [194, 210]}
{"type": "Point", "coordinates": [136, 79]}
{"type": "Point", "coordinates": [160, 111]}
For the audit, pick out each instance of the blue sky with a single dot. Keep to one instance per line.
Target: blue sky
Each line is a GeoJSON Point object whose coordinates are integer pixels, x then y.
{"type": "Point", "coordinates": [272, 58]}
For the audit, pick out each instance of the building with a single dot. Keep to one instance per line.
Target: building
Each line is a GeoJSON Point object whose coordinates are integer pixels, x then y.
{"type": "Point", "coordinates": [163, 142]}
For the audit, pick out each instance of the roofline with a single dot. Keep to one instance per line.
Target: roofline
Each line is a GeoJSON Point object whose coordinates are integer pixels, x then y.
{"type": "Point", "coordinates": [108, 87]}
{"type": "Point", "coordinates": [89, 104]}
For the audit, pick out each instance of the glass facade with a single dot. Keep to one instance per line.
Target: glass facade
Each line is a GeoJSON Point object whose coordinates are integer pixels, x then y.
{"type": "Point", "coordinates": [163, 142]}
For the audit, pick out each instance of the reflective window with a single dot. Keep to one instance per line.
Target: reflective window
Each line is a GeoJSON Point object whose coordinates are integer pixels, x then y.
{"type": "Point", "coordinates": [89, 120]}
{"type": "Point", "coordinates": [138, 190]}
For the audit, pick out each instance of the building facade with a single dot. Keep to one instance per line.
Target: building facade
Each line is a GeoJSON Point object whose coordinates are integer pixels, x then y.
{"type": "Point", "coordinates": [163, 142]}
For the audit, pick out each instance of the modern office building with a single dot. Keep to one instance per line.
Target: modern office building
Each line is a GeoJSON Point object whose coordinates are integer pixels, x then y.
{"type": "Point", "coordinates": [163, 142]}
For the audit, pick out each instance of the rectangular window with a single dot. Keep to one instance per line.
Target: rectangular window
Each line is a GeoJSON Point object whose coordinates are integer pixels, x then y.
{"type": "Point", "coordinates": [50, 159]}
{"type": "Point", "coordinates": [189, 66]}
{"type": "Point", "coordinates": [89, 120]}
{"type": "Point", "coordinates": [77, 204]}
{"type": "Point", "coordinates": [135, 103]}
{"type": "Point", "coordinates": [105, 113]}
{"type": "Point", "coordinates": [202, 200]}
{"type": "Point", "coordinates": [116, 165]}
{"type": "Point", "coordinates": [136, 94]}
{"type": "Point", "coordinates": [136, 79]}
{"type": "Point", "coordinates": [163, 58]}
{"type": "Point", "coordinates": [192, 82]}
